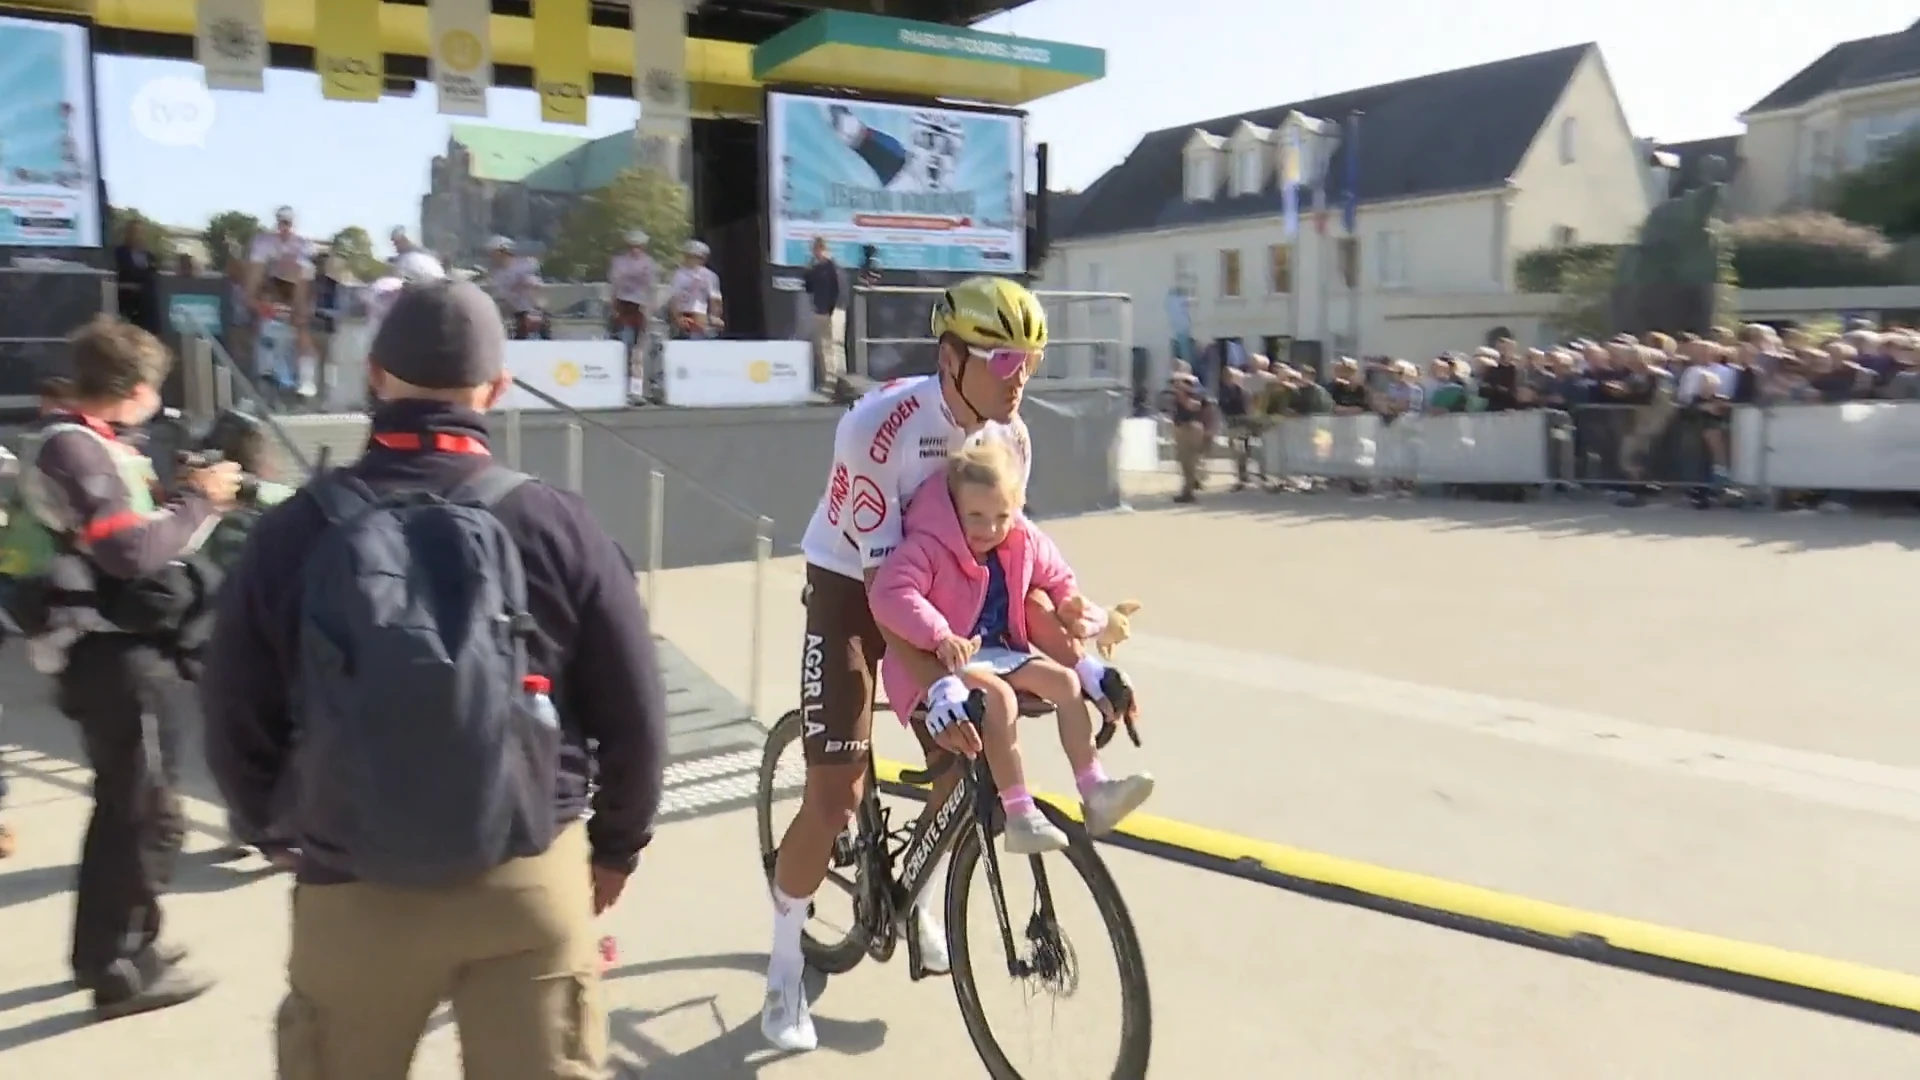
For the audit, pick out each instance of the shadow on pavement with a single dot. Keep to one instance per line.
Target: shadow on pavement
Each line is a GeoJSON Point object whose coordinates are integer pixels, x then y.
{"type": "Point", "coordinates": [737, 1053]}
{"type": "Point", "coordinates": [47, 1027]}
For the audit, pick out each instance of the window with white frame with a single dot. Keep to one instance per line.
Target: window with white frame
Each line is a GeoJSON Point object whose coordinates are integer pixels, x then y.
{"type": "Point", "coordinates": [1390, 263]}
{"type": "Point", "coordinates": [1230, 274]}
{"type": "Point", "coordinates": [1183, 279]}
{"type": "Point", "coordinates": [1200, 180]}
{"type": "Point", "coordinates": [1569, 140]}
{"type": "Point", "coordinates": [1880, 134]}
{"type": "Point", "coordinates": [1279, 269]}
{"type": "Point", "coordinates": [1565, 236]}
{"type": "Point", "coordinates": [1248, 171]}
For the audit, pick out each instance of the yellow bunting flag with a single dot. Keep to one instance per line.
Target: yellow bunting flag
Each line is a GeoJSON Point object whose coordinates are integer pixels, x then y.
{"type": "Point", "coordinates": [561, 68]}
{"type": "Point", "coordinates": [346, 47]}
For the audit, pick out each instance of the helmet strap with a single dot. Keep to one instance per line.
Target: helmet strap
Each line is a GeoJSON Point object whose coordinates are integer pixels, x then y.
{"type": "Point", "coordinates": [959, 385]}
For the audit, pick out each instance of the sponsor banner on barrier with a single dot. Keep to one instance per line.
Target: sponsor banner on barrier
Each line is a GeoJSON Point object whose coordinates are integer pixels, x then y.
{"type": "Point", "coordinates": [583, 374]}
{"type": "Point", "coordinates": [717, 374]}
{"type": "Point", "coordinates": [462, 55]}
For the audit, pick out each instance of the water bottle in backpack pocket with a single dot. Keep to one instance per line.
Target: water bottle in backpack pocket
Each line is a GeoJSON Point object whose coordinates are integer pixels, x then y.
{"type": "Point", "coordinates": [428, 751]}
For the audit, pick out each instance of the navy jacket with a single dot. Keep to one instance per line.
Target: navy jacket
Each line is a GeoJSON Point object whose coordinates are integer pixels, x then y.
{"type": "Point", "coordinates": [592, 641]}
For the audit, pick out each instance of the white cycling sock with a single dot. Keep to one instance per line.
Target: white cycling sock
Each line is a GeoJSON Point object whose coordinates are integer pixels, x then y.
{"type": "Point", "coordinates": [789, 922]}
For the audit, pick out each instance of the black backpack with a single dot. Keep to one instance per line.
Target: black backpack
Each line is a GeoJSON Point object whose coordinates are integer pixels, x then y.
{"type": "Point", "coordinates": [427, 754]}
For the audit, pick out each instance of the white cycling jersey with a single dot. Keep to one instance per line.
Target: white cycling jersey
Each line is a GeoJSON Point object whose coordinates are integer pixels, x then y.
{"type": "Point", "coordinates": [883, 450]}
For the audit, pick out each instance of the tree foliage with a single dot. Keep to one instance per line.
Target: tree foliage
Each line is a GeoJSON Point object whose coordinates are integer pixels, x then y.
{"type": "Point", "coordinates": [595, 229]}
{"type": "Point", "coordinates": [158, 242]}
{"type": "Point", "coordinates": [1809, 251]}
{"type": "Point", "coordinates": [355, 249]}
{"type": "Point", "coordinates": [229, 232]}
{"type": "Point", "coordinates": [1884, 194]}
{"type": "Point", "coordinates": [1585, 286]}
{"type": "Point", "coordinates": [1546, 270]}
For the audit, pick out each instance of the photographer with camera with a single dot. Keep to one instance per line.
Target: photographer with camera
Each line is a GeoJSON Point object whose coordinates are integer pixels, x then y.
{"type": "Point", "coordinates": [94, 541]}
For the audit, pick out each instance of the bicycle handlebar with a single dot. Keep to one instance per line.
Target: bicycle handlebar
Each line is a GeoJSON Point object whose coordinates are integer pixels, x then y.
{"type": "Point", "coordinates": [1115, 689]}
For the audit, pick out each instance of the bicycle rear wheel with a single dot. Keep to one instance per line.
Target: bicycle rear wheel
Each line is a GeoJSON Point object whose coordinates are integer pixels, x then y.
{"type": "Point", "coordinates": [1044, 948]}
{"type": "Point", "coordinates": [832, 945]}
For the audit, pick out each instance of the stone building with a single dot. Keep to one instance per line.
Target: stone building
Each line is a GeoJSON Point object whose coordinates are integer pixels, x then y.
{"type": "Point", "coordinates": [520, 184]}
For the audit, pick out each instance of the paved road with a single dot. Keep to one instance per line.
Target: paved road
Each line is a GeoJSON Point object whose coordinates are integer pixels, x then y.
{"type": "Point", "coordinates": [1701, 720]}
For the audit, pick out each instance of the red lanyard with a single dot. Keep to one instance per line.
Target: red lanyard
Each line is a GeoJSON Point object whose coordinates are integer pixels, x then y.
{"type": "Point", "coordinates": [441, 441]}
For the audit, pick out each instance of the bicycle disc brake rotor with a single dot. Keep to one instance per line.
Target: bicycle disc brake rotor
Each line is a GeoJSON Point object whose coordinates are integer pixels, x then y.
{"type": "Point", "coordinates": [1051, 963]}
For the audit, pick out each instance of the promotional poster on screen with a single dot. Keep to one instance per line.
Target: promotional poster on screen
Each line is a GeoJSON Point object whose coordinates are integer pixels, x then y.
{"type": "Point", "coordinates": [48, 191]}
{"type": "Point", "coordinates": [931, 188]}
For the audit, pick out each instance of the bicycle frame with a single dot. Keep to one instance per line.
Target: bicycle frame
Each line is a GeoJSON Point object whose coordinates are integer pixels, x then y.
{"type": "Point", "coordinates": [972, 802]}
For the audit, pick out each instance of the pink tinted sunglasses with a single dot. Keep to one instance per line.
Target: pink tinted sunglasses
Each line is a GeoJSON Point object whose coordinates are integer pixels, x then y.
{"type": "Point", "coordinates": [1005, 363]}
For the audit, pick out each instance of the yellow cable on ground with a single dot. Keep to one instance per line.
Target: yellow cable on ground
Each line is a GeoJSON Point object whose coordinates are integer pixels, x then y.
{"type": "Point", "coordinates": [1858, 981]}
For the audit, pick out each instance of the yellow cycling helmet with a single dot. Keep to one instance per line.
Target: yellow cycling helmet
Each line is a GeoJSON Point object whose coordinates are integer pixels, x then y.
{"type": "Point", "coordinates": [991, 313]}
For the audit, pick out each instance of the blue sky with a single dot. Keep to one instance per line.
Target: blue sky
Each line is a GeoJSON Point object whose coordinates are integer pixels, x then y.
{"type": "Point", "coordinates": [1684, 68]}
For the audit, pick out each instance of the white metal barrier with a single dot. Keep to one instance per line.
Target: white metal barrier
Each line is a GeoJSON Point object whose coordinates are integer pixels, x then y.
{"type": "Point", "coordinates": [1460, 448]}
{"type": "Point", "coordinates": [1856, 446]}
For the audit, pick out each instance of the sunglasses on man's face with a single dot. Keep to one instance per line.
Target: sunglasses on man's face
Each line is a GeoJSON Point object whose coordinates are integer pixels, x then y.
{"type": "Point", "coordinates": [1005, 363]}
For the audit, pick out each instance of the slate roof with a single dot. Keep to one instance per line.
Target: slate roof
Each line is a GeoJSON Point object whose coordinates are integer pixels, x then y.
{"type": "Point", "coordinates": [1850, 65]}
{"type": "Point", "coordinates": [1462, 130]}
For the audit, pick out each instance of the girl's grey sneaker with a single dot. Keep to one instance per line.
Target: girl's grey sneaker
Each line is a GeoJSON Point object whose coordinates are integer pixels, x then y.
{"type": "Point", "coordinates": [1107, 803]}
{"type": "Point", "coordinates": [1030, 833]}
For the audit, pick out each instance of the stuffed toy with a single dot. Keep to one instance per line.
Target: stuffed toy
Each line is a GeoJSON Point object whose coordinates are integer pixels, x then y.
{"type": "Point", "coordinates": [1118, 629]}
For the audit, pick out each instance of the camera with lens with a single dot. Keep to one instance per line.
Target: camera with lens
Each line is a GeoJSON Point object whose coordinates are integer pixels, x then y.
{"type": "Point", "coordinates": [237, 437]}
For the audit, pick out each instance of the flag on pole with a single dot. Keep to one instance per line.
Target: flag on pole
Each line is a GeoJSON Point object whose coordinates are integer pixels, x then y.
{"type": "Point", "coordinates": [1350, 206]}
{"type": "Point", "coordinates": [1290, 180]}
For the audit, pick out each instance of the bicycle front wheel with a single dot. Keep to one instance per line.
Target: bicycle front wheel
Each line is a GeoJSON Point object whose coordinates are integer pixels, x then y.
{"type": "Point", "coordinates": [1041, 956]}
{"type": "Point", "coordinates": [834, 941]}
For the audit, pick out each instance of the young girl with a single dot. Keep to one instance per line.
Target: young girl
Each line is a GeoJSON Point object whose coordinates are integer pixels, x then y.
{"type": "Point", "coordinates": [957, 587]}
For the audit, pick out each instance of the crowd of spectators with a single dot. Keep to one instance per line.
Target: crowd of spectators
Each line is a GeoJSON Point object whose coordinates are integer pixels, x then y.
{"type": "Point", "coordinates": [1654, 409]}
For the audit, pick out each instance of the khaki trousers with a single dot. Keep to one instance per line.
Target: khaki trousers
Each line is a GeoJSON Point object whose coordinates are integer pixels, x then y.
{"type": "Point", "coordinates": [516, 953]}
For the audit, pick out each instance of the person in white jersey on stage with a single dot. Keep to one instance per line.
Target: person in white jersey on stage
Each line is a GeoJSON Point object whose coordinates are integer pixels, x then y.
{"type": "Point", "coordinates": [514, 281]}
{"type": "Point", "coordinates": [992, 334]}
{"type": "Point", "coordinates": [634, 278]}
{"type": "Point", "coordinates": [694, 300]}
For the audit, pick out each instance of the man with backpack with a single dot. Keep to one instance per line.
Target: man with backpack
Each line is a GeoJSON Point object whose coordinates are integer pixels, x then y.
{"type": "Point", "coordinates": [432, 668]}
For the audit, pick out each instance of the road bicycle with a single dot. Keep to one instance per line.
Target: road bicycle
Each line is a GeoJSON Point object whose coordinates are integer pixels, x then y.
{"type": "Point", "coordinates": [1039, 953]}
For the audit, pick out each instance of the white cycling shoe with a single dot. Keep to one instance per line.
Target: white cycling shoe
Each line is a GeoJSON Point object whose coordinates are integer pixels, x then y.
{"type": "Point", "coordinates": [1030, 833]}
{"type": "Point", "coordinates": [931, 938]}
{"type": "Point", "coordinates": [785, 1020]}
{"type": "Point", "coordinates": [1110, 801]}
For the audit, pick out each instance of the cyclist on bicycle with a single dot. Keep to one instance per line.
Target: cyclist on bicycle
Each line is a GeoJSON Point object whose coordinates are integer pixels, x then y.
{"type": "Point", "coordinates": [991, 335]}
{"type": "Point", "coordinates": [514, 281]}
{"type": "Point", "coordinates": [695, 302]}
{"type": "Point", "coordinates": [634, 277]}
{"type": "Point", "coordinates": [279, 279]}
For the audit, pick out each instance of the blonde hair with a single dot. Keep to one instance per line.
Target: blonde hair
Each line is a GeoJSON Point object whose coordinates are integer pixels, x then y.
{"type": "Point", "coordinates": [987, 463]}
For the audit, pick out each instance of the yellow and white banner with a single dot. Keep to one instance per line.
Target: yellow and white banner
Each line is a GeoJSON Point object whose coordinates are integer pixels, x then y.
{"type": "Point", "coordinates": [230, 41]}
{"type": "Point", "coordinates": [660, 62]}
{"type": "Point", "coordinates": [462, 55]}
{"type": "Point", "coordinates": [346, 49]}
{"type": "Point", "coordinates": [562, 71]}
